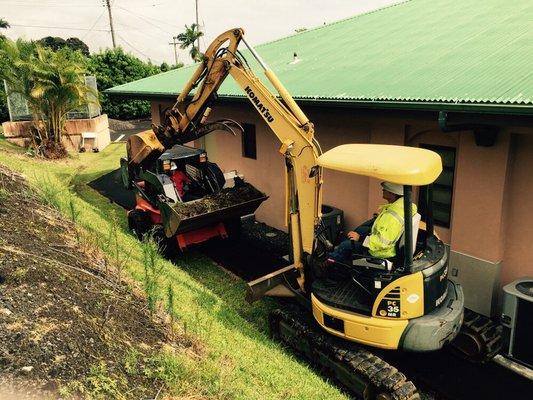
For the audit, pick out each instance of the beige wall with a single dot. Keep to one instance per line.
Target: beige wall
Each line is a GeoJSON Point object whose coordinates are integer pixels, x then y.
{"type": "Point", "coordinates": [490, 224]}
{"type": "Point", "coordinates": [518, 239]}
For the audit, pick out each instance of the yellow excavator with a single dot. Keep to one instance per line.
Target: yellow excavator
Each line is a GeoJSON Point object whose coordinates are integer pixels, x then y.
{"type": "Point", "coordinates": [342, 312]}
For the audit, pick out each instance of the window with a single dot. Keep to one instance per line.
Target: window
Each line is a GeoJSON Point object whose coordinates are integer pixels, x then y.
{"type": "Point", "coordinates": [249, 148]}
{"type": "Point", "coordinates": [442, 188]}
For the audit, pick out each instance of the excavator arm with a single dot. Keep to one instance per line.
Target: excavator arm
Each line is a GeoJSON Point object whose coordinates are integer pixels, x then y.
{"type": "Point", "coordinates": [186, 121]}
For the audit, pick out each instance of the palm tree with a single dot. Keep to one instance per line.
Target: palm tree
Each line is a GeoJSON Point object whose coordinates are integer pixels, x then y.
{"type": "Point", "coordinates": [189, 38]}
{"type": "Point", "coordinates": [60, 87]}
{"type": "Point", "coordinates": [16, 68]}
{"type": "Point", "coordinates": [52, 83]}
{"type": "Point", "coordinates": [3, 25]}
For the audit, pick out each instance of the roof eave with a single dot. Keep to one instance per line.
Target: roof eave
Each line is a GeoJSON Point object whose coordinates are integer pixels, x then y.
{"type": "Point", "coordinates": [478, 108]}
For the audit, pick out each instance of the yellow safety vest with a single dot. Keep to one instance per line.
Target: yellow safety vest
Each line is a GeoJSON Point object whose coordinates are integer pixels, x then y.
{"type": "Point", "coordinates": [387, 229]}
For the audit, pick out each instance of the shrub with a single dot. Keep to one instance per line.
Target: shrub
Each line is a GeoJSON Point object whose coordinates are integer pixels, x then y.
{"type": "Point", "coordinates": [51, 82]}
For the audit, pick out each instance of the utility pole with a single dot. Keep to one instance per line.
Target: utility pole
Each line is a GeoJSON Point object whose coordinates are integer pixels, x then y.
{"type": "Point", "coordinates": [174, 43]}
{"type": "Point", "coordinates": [108, 5]}
{"type": "Point", "coordinates": [198, 25]}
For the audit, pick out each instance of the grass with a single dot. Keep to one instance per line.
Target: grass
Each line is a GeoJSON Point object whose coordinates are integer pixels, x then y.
{"type": "Point", "coordinates": [241, 362]}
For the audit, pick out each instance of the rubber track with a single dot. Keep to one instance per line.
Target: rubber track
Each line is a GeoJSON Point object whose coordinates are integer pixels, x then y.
{"type": "Point", "coordinates": [486, 331]}
{"type": "Point", "coordinates": [358, 364]}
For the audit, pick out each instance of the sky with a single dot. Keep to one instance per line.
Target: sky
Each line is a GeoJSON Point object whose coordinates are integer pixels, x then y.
{"type": "Point", "coordinates": [146, 27]}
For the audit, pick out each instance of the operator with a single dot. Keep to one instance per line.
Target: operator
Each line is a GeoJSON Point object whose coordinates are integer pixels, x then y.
{"type": "Point", "coordinates": [180, 180]}
{"type": "Point", "coordinates": [378, 235]}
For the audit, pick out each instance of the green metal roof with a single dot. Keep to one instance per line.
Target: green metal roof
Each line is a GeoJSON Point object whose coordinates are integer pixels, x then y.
{"type": "Point", "coordinates": [462, 54]}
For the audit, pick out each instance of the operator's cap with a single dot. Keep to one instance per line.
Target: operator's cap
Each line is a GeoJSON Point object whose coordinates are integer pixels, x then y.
{"type": "Point", "coordinates": [393, 188]}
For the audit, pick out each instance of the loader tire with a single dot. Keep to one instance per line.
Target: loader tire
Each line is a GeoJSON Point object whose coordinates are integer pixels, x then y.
{"type": "Point", "coordinates": [139, 223]}
{"type": "Point", "coordinates": [167, 247]}
{"type": "Point", "coordinates": [233, 228]}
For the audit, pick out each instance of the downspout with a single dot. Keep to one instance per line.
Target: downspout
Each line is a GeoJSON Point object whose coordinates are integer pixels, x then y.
{"type": "Point", "coordinates": [484, 134]}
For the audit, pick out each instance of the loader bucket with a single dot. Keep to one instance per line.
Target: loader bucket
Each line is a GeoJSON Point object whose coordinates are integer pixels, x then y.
{"type": "Point", "coordinates": [174, 224]}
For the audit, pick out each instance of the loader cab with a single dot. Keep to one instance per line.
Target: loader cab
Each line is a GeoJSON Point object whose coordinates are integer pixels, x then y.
{"type": "Point", "coordinates": [157, 175]}
{"type": "Point", "coordinates": [374, 300]}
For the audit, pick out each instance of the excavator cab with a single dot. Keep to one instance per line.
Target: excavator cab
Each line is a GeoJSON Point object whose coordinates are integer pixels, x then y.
{"type": "Point", "coordinates": [403, 302]}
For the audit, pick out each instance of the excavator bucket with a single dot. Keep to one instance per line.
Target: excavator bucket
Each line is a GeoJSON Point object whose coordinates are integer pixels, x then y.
{"type": "Point", "coordinates": [141, 145]}
{"type": "Point", "coordinates": [174, 223]}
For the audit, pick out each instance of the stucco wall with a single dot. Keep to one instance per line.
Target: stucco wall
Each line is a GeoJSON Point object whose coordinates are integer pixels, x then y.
{"type": "Point", "coordinates": [18, 132]}
{"type": "Point", "coordinates": [518, 239]}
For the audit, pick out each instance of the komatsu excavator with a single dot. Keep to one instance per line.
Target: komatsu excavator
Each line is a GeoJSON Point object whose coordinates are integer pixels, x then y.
{"type": "Point", "coordinates": [405, 303]}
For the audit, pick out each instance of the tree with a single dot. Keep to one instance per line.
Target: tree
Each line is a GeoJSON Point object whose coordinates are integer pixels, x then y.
{"type": "Point", "coordinates": [77, 44]}
{"type": "Point", "coordinates": [3, 25]}
{"type": "Point", "coordinates": [56, 43]}
{"type": "Point", "coordinates": [52, 83]}
{"type": "Point", "coordinates": [164, 67]}
{"type": "Point", "coordinates": [114, 67]}
{"type": "Point", "coordinates": [53, 42]}
{"type": "Point", "coordinates": [4, 112]}
{"type": "Point", "coordinates": [188, 39]}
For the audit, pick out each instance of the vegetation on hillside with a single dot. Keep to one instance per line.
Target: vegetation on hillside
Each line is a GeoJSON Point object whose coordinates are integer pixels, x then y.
{"type": "Point", "coordinates": [96, 339]}
{"type": "Point", "coordinates": [240, 361]}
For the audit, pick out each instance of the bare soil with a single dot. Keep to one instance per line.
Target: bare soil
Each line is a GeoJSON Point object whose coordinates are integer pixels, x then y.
{"type": "Point", "coordinates": [60, 314]}
{"type": "Point", "coordinates": [225, 198]}
{"type": "Point", "coordinates": [119, 125]}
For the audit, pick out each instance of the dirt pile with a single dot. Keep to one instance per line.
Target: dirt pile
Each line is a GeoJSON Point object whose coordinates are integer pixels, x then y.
{"type": "Point", "coordinates": [227, 197]}
{"type": "Point", "coordinates": [118, 125]}
{"type": "Point", "coordinates": [61, 316]}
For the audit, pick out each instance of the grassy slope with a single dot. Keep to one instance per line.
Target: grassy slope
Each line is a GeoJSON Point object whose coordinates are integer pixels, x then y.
{"type": "Point", "coordinates": [243, 362]}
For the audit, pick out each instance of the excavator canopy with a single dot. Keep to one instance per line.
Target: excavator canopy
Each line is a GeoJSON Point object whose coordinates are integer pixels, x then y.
{"type": "Point", "coordinates": [398, 164]}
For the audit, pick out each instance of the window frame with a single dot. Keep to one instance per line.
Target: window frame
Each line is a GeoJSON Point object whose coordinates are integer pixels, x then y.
{"type": "Point", "coordinates": [437, 204]}
{"type": "Point", "coordinates": [249, 141]}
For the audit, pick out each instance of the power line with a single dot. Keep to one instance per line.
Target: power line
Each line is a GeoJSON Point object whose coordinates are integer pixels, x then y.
{"type": "Point", "coordinates": [144, 19]}
{"type": "Point", "coordinates": [58, 27]}
{"type": "Point", "coordinates": [93, 25]}
{"type": "Point", "coordinates": [40, 4]}
{"type": "Point", "coordinates": [127, 28]}
{"type": "Point", "coordinates": [133, 47]}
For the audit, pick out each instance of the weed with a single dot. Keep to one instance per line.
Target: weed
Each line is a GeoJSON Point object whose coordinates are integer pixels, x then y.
{"type": "Point", "coordinates": [101, 385]}
{"type": "Point", "coordinates": [74, 213]}
{"type": "Point", "coordinates": [3, 194]}
{"type": "Point", "coordinates": [18, 274]}
{"type": "Point", "coordinates": [97, 385]}
{"type": "Point", "coordinates": [170, 308]}
{"type": "Point", "coordinates": [50, 191]}
{"type": "Point", "coordinates": [131, 362]}
{"type": "Point", "coordinates": [152, 270]}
